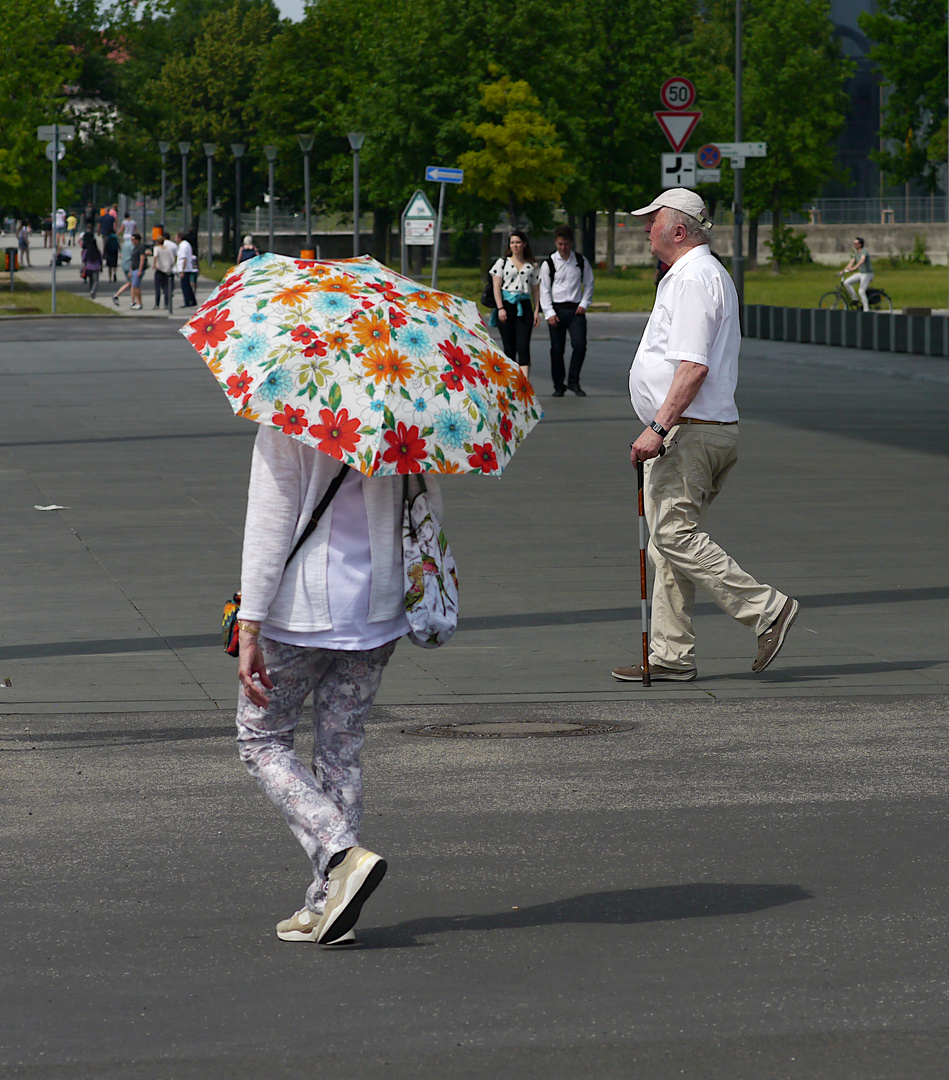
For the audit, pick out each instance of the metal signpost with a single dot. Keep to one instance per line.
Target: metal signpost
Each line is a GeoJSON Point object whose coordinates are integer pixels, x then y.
{"type": "Point", "coordinates": [439, 174]}
{"type": "Point", "coordinates": [418, 226]}
{"type": "Point", "coordinates": [54, 135]}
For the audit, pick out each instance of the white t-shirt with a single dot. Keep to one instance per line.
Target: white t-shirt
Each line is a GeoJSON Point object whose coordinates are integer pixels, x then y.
{"type": "Point", "coordinates": [348, 580]}
{"type": "Point", "coordinates": [514, 280]}
{"type": "Point", "coordinates": [695, 318]}
{"type": "Point", "coordinates": [128, 226]}
{"type": "Point", "coordinates": [184, 261]}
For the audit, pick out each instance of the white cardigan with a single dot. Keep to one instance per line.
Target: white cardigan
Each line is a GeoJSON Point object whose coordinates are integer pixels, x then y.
{"type": "Point", "coordinates": [287, 480]}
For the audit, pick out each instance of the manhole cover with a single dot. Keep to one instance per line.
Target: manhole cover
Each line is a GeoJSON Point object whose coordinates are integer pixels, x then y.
{"type": "Point", "coordinates": [516, 729]}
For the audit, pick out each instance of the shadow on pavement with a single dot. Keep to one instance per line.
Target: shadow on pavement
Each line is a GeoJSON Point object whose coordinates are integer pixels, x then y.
{"type": "Point", "coordinates": [821, 671]}
{"type": "Point", "coordinates": [623, 907]}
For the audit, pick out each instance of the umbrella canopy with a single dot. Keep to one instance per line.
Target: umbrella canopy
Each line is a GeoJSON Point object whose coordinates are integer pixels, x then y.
{"type": "Point", "coordinates": [365, 365]}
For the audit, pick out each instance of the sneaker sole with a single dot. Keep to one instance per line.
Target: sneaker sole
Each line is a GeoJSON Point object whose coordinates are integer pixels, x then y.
{"type": "Point", "coordinates": [686, 676]}
{"type": "Point", "coordinates": [298, 935]}
{"type": "Point", "coordinates": [361, 883]}
{"type": "Point", "coordinates": [784, 633]}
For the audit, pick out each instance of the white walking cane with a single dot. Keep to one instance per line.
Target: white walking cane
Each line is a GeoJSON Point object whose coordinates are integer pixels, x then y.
{"type": "Point", "coordinates": [640, 479]}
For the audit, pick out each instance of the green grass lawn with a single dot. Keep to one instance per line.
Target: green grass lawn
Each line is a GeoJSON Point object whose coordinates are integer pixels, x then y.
{"type": "Point", "coordinates": [800, 286]}
{"type": "Point", "coordinates": [26, 300]}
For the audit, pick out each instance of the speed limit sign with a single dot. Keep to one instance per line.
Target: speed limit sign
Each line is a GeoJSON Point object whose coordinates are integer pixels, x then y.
{"type": "Point", "coordinates": [677, 93]}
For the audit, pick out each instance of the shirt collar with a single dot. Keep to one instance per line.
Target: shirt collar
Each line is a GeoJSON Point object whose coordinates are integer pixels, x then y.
{"type": "Point", "coordinates": [690, 256]}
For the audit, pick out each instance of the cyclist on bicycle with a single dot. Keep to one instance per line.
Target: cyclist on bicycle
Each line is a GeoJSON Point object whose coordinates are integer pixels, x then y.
{"type": "Point", "coordinates": [859, 262]}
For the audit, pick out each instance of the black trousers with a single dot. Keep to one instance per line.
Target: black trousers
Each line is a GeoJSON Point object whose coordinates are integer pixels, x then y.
{"type": "Point", "coordinates": [576, 326]}
{"type": "Point", "coordinates": [515, 333]}
{"type": "Point", "coordinates": [163, 286]}
{"type": "Point", "coordinates": [187, 291]}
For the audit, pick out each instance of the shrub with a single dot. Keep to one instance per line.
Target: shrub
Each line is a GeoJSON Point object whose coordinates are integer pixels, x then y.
{"type": "Point", "coordinates": [789, 247]}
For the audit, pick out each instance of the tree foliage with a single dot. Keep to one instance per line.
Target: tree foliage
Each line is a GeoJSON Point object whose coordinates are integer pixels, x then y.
{"type": "Point", "coordinates": [910, 50]}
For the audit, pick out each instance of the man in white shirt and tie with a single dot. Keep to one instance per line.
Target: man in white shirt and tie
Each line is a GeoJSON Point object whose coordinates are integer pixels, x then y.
{"type": "Point", "coordinates": [566, 289]}
{"type": "Point", "coordinates": [682, 386]}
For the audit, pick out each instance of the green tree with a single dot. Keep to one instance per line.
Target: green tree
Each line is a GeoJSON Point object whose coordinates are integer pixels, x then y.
{"type": "Point", "coordinates": [909, 48]}
{"type": "Point", "coordinates": [521, 160]}
{"type": "Point", "coordinates": [34, 76]}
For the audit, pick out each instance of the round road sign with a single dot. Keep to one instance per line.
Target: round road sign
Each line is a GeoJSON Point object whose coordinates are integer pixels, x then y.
{"type": "Point", "coordinates": [709, 156]}
{"type": "Point", "coordinates": [51, 151]}
{"type": "Point", "coordinates": [677, 93]}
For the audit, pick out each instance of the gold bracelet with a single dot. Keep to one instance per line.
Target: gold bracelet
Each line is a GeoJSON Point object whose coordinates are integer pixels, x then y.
{"type": "Point", "coordinates": [249, 628]}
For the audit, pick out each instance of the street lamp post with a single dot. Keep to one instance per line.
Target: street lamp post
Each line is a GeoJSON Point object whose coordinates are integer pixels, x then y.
{"type": "Point", "coordinates": [271, 154]}
{"type": "Point", "coordinates": [163, 148]}
{"type": "Point", "coordinates": [356, 139]}
{"type": "Point", "coordinates": [210, 149]}
{"type": "Point", "coordinates": [237, 149]}
{"type": "Point", "coordinates": [738, 261]}
{"type": "Point", "coordinates": [184, 147]}
{"type": "Point", "coordinates": [306, 145]}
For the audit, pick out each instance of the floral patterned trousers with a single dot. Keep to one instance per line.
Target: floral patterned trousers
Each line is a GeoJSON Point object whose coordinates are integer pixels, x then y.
{"type": "Point", "coordinates": [322, 805]}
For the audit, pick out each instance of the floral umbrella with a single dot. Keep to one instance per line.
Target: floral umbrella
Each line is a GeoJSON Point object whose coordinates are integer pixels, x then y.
{"type": "Point", "coordinates": [365, 365]}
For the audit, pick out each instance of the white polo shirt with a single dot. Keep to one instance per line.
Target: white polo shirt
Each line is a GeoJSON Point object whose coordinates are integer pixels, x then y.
{"type": "Point", "coordinates": [695, 317]}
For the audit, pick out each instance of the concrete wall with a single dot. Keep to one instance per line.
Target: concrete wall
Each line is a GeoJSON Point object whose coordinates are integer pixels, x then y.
{"type": "Point", "coordinates": [829, 244]}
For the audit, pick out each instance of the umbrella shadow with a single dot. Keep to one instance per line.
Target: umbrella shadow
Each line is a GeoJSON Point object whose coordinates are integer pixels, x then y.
{"type": "Point", "coordinates": [623, 907]}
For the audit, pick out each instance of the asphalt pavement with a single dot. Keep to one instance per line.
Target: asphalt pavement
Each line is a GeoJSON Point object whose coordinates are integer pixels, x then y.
{"type": "Point", "coordinates": [744, 880]}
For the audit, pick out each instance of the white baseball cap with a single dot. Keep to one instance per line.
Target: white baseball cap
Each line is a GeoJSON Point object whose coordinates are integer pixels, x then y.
{"type": "Point", "coordinates": [679, 198]}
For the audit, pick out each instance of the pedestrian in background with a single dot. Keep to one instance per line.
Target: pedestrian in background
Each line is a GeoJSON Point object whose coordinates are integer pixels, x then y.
{"type": "Point", "coordinates": [23, 242]}
{"type": "Point", "coordinates": [682, 385]}
{"type": "Point", "coordinates": [110, 251]}
{"type": "Point", "coordinates": [129, 226]}
{"type": "Point", "coordinates": [185, 267]}
{"type": "Point", "coordinates": [47, 226]}
{"type": "Point", "coordinates": [566, 289]}
{"type": "Point", "coordinates": [128, 245]}
{"type": "Point", "coordinates": [247, 250]}
{"type": "Point", "coordinates": [106, 224]}
{"type": "Point", "coordinates": [517, 310]}
{"type": "Point", "coordinates": [139, 266]}
{"type": "Point", "coordinates": [859, 262]}
{"type": "Point", "coordinates": [164, 259]}
{"type": "Point", "coordinates": [72, 223]}
{"type": "Point", "coordinates": [91, 259]}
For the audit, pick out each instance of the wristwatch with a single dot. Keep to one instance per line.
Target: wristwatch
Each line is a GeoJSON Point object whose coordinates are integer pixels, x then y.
{"type": "Point", "coordinates": [659, 429]}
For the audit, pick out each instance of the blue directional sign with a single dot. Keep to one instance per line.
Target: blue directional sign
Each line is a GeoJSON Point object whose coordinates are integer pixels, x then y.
{"type": "Point", "coordinates": [441, 175]}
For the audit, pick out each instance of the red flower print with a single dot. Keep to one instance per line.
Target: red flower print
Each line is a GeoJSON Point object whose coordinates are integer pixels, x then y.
{"type": "Point", "coordinates": [483, 458]}
{"type": "Point", "coordinates": [336, 433]}
{"type": "Point", "coordinates": [453, 381]}
{"type": "Point", "coordinates": [397, 318]}
{"type": "Point", "coordinates": [406, 448]}
{"type": "Point", "coordinates": [229, 288]}
{"type": "Point", "coordinates": [506, 428]}
{"type": "Point", "coordinates": [303, 334]}
{"type": "Point", "coordinates": [389, 292]}
{"type": "Point", "coordinates": [290, 420]}
{"type": "Point", "coordinates": [211, 331]}
{"type": "Point", "coordinates": [237, 385]}
{"type": "Point", "coordinates": [459, 360]}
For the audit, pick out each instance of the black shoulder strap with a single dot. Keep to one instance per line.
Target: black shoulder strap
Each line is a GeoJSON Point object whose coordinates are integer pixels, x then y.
{"type": "Point", "coordinates": [580, 264]}
{"type": "Point", "coordinates": [551, 269]}
{"type": "Point", "coordinates": [319, 511]}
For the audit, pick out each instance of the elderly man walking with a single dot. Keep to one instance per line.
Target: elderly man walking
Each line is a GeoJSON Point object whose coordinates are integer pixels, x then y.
{"type": "Point", "coordinates": [682, 385]}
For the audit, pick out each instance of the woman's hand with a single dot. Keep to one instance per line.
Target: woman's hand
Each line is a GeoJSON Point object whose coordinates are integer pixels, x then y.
{"type": "Point", "coordinates": [502, 314]}
{"type": "Point", "coordinates": [251, 663]}
{"type": "Point", "coordinates": [536, 317]}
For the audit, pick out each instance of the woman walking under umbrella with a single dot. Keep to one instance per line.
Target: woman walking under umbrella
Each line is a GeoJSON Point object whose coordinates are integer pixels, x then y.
{"type": "Point", "coordinates": [325, 622]}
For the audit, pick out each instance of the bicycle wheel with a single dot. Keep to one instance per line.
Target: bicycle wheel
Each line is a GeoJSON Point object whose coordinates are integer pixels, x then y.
{"type": "Point", "coordinates": [884, 304]}
{"type": "Point", "coordinates": [832, 300]}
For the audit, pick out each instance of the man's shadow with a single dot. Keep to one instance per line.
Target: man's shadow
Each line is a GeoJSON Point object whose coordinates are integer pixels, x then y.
{"type": "Point", "coordinates": [622, 907]}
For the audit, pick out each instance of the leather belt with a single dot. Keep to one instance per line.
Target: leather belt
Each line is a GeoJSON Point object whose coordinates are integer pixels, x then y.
{"type": "Point", "coordinates": [718, 423]}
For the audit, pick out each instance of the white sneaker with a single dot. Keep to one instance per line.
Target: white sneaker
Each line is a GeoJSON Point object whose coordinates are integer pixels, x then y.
{"type": "Point", "coordinates": [349, 886]}
{"type": "Point", "coordinates": [301, 926]}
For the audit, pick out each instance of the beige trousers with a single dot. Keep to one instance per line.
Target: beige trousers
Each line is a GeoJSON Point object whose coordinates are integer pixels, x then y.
{"type": "Point", "coordinates": [680, 486]}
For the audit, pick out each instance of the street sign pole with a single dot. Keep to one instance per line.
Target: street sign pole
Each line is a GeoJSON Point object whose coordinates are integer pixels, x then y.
{"type": "Point", "coordinates": [438, 234]}
{"type": "Point", "coordinates": [738, 261]}
{"type": "Point", "coordinates": [52, 295]}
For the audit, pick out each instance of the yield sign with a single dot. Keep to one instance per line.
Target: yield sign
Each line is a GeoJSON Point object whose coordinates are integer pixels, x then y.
{"type": "Point", "coordinates": [678, 126]}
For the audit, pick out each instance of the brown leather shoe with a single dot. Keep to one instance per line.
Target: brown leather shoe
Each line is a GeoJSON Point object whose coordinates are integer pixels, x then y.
{"type": "Point", "coordinates": [770, 642]}
{"type": "Point", "coordinates": [656, 671]}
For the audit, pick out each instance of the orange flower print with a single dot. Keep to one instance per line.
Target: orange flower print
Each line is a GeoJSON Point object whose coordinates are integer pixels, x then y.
{"type": "Point", "coordinates": [371, 330]}
{"type": "Point", "coordinates": [291, 420]}
{"type": "Point", "coordinates": [211, 330]}
{"type": "Point", "coordinates": [336, 433]}
{"type": "Point", "coordinates": [444, 466]}
{"type": "Point", "coordinates": [523, 390]}
{"type": "Point", "coordinates": [338, 339]}
{"type": "Point", "coordinates": [496, 369]}
{"type": "Point", "coordinates": [387, 365]}
{"type": "Point", "coordinates": [427, 300]}
{"type": "Point", "coordinates": [293, 294]}
{"type": "Point", "coordinates": [339, 283]}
